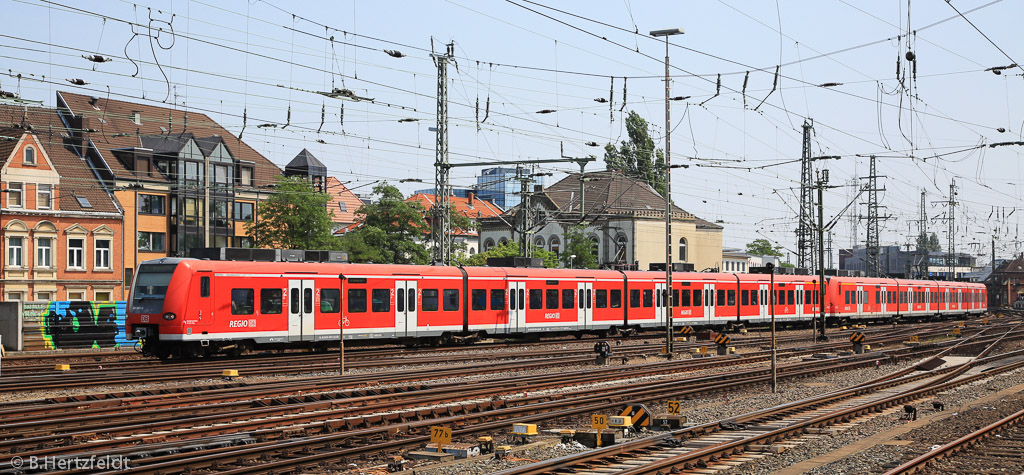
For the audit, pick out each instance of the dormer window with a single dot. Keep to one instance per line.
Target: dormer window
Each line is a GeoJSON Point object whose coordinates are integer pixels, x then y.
{"type": "Point", "coordinates": [137, 117]}
{"type": "Point", "coordinates": [30, 156]}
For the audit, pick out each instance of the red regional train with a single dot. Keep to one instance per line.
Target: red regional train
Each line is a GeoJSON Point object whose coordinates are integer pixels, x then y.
{"type": "Point", "coordinates": [191, 307]}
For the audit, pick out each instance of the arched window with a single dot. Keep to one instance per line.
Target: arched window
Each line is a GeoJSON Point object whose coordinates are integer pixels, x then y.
{"type": "Point", "coordinates": [30, 156]}
{"type": "Point", "coordinates": [502, 241]}
{"type": "Point", "coordinates": [555, 244]}
{"type": "Point", "coordinates": [539, 242]}
{"type": "Point", "coordinates": [472, 251]}
{"type": "Point", "coordinates": [488, 244]}
{"type": "Point", "coordinates": [682, 249]}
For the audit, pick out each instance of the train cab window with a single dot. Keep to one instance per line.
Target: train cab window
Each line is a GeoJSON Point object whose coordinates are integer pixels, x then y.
{"type": "Point", "coordinates": [789, 297]}
{"type": "Point", "coordinates": [721, 297]}
{"type": "Point", "coordinates": [634, 298]}
{"type": "Point", "coordinates": [568, 297]}
{"type": "Point", "coordinates": [479, 298]}
{"type": "Point", "coordinates": [498, 299]}
{"type": "Point", "coordinates": [451, 300]}
{"type": "Point", "coordinates": [307, 300]}
{"type": "Point", "coordinates": [744, 297]}
{"type": "Point", "coordinates": [732, 297]}
{"type": "Point", "coordinates": [649, 298]}
{"type": "Point", "coordinates": [616, 298]}
{"type": "Point", "coordinates": [270, 301]}
{"type": "Point", "coordinates": [429, 300]}
{"type": "Point", "coordinates": [675, 298]}
{"type": "Point", "coordinates": [356, 300]}
{"type": "Point", "coordinates": [696, 298]}
{"type": "Point", "coordinates": [330, 300]}
{"type": "Point", "coordinates": [602, 299]}
{"type": "Point", "coordinates": [204, 286]}
{"type": "Point", "coordinates": [242, 301]}
{"type": "Point", "coordinates": [381, 300]}
{"type": "Point", "coordinates": [551, 299]}
{"type": "Point", "coordinates": [684, 300]}
{"type": "Point", "coordinates": [536, 299]}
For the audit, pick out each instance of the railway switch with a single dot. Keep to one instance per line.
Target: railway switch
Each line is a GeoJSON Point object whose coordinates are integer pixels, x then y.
{"type": "Point", "coordinates": [486, 444]}
{"type": "Point", "coordinates": [604, 351]}
{"type": "Point", "coordinates": [523, 433]}
{"type": "Point", "coordinates": [857, 338]}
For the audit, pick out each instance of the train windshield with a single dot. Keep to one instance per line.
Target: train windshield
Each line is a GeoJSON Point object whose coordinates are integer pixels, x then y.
{"type": "Point", "coordinates": [151, 287]}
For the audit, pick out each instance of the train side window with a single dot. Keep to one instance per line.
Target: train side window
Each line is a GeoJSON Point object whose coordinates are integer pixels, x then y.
{"type": "Point", "coordinates": [721, 297]}
{"type": "Point", "coordinates": [602, 299]}
{"type": "Point", "coordinates": [498, 299]}
{"type": "Point", "coordinates": [551, 299]}
{"type": "Point", "coordinates": [846, 297]}
{"type": "Point", "coordinates": [745, 297]}
{"type": "Point", "coordinates": [815, 297]}
{"type": "Point", "coordinates": [634, 298]}
{"type": "Point", "coordinates": [242, 301]}
{"type": "Point", "coordinates": [789, 297]}
{"type": "Point", "coordinates": [270, 301]}
{"type": "Point", "coordinates": [568, 297]}
{"type": "Point", "coordinates": [684, 300]}
{"type": "Point", "coordinates": [356, 300]}
{"type": "Point", "coordinates": [536, 299]}
{"type": "Point", "coordinates": [412, 300]}
{"type": "Point", "coordinates": [732, 297]}
{"type": "Point", "coordinates": [522, 299]}
{"type": "Point", "coordinates": [330, 300]}
{"type": "Point", "coordinates": [661, 298]}
{"type": "Point", "coordinates": [381, 300]}
{"type": "Point", "coordinates": [293, 299]}
{"type": "Point", "coordinates": [204, 286]}
{"type": "Point", "coordinates": [307, 300]}
{"type": "Point", "coordinates": [399, 300]}
{"type": "Point", "coordinates": [649, 298]}
{"type": "Point", "coordinates": [753, 297]}
{"type": "Point", "coordinates": [616, 298]}
{"type": "Point", "coordinates": [451, 300]}
{"type": "Point", "coordinates": [780, 298]}
{"type": "Point", "coordinates": [697, 298]}
{"type": "Point", "coordinates": [675, 297]}
{"type": "Point", "coordinates": [429, 300]}
{"type": "Point", "coordinates": [807, 297]}
{"type": "Point", "coordinates": [479, 298]}
{"type": "Point", "coordinates": [590, 301]}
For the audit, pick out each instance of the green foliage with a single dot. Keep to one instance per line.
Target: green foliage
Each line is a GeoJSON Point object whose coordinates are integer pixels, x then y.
{"type": "Point", "coordinates": [510, 249]}
{"type": "Point", "coordinates": [637, 157]}
{"type": "Point", "coordinates": [933, 243]}
{"type": "Point", "coordinates": [787, 264]}
{"type": "Point", "coordinates": [763, 247]}
{"type": "Point", "coordinates": [295, 217]}
{"type": "Point", "coordinates": [577, 243]}
{"type": "Point", "coordinates": [391, 231]}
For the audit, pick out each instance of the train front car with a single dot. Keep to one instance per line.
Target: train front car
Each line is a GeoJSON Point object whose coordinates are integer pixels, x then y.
{"type": "Point", "coordinates": [152, 311]}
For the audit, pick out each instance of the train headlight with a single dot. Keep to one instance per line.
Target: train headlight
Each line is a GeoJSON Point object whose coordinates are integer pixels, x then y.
{"type": "Point", "coordinates": [169, 316]}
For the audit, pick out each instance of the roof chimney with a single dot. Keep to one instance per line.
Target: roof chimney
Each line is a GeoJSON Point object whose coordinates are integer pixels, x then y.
{"type": "Point", "coordinates": [538, 188]}
{"type": "Point", "coordinates": [471, 198]}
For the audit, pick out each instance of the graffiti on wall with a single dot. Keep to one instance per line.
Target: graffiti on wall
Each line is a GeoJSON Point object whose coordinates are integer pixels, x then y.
{"type": "Point", "coordinates": [77, 324]}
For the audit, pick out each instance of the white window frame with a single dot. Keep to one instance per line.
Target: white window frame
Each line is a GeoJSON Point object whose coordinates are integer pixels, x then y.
{"type": "Point", "coordinates": [48, 254]}
{"type": "Point", "coordinates": [78, 252]}
{"type": "Point", "coordinates": [16, 254]}
{"type": "Point", "coordinates": [15, 189]}
{"type": "Point", "coordinates": [25, 154]}
{"type": "Point", "coordinates": [15, 296]}
{"type": "Point", "coordinates": [44, 199]}
{"type": "Point", "coordinates": [44, 296]}
{"type": "Point", "coordinates": [102, 256]}
{"type": "Point", "coordinates": [97, 296]}
{"type": "Point", "coordinates": [76, 294]}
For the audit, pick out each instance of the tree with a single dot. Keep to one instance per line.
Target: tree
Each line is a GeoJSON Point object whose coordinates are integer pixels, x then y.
{"type": "Point", "coordinates": [511, 249]}
{"type": "Point", "coordinates": [762, 247]}
{"type": "Point", "coordinates": [933, 243]}
{"type": "Point", "coordinates": [579, 245]}
{"type": "Point", "coordinates": [637, 157]}
{"type": "Point", "coordinates": [295, 217]}
{"type": "Point", "coordinates": [391, 231]}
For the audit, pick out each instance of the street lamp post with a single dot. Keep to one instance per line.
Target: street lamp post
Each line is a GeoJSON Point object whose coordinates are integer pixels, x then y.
{"type": "Point", "coordinates": [771, 305]}
{"type": "Point", "coordinates": [668, 194]}
{"type": "Point", "coordinates": [571, 257]}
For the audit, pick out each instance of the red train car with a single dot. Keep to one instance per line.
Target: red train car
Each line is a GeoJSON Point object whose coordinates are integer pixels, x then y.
{"type": "Point", "coordinates": [188, 307]}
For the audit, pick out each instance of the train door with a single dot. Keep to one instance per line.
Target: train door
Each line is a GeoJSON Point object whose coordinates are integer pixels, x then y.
{"type": "Point", "coordinates": [405, 308]}
{"type": "Point", "coordinates": [860, 300]}
{"type": "Point", "coordinates": [516, 307]}
{"type": "Point", "coordinates": [300, 309]}
{"type": "Point", "coordinates": [927, 299]}
{"type": "Point", "coordinates": [763, 302]}
{"type": "Point", "coordinates": [709, 302]}
{"type": "Point", "coordinates": [584, 310]}
{"type": "Point", "coordinates": [800, 301]}
{"type": "Point", "coordinates": [660, 305]}
{"type": "Point", "coordinates": [206, 294]}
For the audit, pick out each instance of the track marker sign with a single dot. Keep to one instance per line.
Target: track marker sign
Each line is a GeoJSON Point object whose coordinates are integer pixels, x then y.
{"type": "Point", "coordinates": [674, 407]}
{"type": "Point", "coordinates": [440, 435]}
{"type": "Point", "coordinates": [600, 423]}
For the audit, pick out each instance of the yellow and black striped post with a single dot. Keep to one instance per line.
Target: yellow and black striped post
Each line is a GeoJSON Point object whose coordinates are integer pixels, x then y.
{"type": "Point", "coordinates": [857, 338]}
{"type": "Point", "coordinates": [722, 340]}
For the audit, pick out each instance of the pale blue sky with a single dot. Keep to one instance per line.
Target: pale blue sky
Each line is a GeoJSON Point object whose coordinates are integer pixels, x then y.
{"type": "Point", "coordinates": [953, 104]}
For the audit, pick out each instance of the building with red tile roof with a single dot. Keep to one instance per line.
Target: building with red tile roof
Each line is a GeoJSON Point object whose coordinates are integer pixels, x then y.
{"type": "Point", "coordinates": [471, 207]}
{"type": "Point", "coordinates": [62, 232]}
